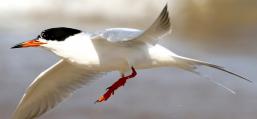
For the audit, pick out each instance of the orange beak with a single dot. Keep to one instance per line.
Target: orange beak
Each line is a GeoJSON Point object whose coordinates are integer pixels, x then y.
{"type": "Point", "coordinates": [31, 43]}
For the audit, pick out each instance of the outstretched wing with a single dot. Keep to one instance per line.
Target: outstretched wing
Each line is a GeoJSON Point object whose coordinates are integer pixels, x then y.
{"type": "Point", "coordinates": [50, 88]}
{"type": "Point", "coordinates": [158, 29]}
{"type": "Point", "coordinates": [128, 36]}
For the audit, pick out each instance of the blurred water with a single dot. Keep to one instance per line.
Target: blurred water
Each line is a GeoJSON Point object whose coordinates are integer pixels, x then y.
{"type": "Point", "coordinates": [163, 93]}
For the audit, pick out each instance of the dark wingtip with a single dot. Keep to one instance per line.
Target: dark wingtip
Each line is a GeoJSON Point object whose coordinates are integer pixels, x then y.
{"type": "Point", "coordinates": [165, 8]}
{"type": "Point", "coordinates": [166, 5]}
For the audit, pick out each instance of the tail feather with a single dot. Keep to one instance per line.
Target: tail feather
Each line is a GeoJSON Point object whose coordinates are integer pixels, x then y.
{"type": "Point", "coordinates": [190, 64]}
{"type": "Point", "coordinates": [213, 81]}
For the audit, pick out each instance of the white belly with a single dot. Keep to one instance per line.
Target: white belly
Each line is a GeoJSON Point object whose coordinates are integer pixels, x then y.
{"type": "Point", "coordinates": [106, 57]}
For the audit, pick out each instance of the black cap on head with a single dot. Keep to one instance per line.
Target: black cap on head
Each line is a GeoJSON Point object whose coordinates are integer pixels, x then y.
{"type": "Point", "coordinates": [58, 34]}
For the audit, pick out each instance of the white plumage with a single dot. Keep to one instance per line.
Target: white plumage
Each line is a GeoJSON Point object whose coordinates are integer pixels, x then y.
{"type": "Point", "coordinates": [51, 87]}
{"type": "Point", "coordinates": [86, 55]}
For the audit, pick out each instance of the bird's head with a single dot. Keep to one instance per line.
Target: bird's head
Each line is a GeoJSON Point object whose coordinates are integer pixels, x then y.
{"type": "Point", "coordinates": [57, 34]}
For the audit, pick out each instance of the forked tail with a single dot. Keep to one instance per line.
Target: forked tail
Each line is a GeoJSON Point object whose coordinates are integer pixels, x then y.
{"type": "Point", "coordinates": [191, 64]}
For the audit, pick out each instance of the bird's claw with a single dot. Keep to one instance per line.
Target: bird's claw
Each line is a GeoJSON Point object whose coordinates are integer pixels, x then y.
{"type": "Point", "coordinates": [100, 99]}
{"type": "Point", "coordinates": [108, 88]}
{"type": "Point", "coordinates": [116, 85]}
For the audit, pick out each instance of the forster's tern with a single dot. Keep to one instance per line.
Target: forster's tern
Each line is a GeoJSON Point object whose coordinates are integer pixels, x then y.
{"type": "Point", "coordinates": [85, 55]}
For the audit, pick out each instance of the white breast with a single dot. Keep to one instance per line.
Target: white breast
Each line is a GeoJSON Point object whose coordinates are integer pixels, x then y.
{"type": "Point", "coordinates": [107, 56]}
{"type": "Point", "coordinates": [77, 49]}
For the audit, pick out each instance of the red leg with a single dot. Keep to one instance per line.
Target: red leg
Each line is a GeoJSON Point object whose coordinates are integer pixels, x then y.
{"type": "Point", "coordinates": [116, 85]}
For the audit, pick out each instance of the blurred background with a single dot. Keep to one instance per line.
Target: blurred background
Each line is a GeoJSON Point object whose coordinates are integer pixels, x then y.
{"type": "Point", "coordinates": [223, 32]}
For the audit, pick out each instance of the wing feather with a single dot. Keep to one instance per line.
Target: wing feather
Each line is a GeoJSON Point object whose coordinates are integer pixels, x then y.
{"type": "Point", "coordinates": [50, 88]}
{"type": "Point", "coordinates": [128, 36]}
{"type": "Point", "coordinates": [158, 29]}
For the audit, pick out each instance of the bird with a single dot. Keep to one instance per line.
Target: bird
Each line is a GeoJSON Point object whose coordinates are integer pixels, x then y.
{"type": "Point", "coordinates": [84, 56]}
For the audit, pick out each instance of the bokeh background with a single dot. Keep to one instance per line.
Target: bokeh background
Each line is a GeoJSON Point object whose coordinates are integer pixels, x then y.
{"type": "Point", "coordinates": [223, 32]}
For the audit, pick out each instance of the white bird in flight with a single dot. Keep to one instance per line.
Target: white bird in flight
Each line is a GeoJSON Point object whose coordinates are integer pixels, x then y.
{"type": "Point", "coordinates": [85, 55]}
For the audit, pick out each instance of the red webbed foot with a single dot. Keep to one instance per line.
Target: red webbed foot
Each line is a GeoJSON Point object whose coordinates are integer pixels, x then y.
{"type": "Point", "coordinates": [116, 85]}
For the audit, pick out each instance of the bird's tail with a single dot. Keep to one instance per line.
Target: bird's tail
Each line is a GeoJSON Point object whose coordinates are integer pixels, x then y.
{"type": "Point", "coordinates": [191, 65]}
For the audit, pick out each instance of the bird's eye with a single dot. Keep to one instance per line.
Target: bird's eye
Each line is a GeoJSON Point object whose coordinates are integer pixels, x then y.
{"type": "Point", "coordinates": [43, 35]}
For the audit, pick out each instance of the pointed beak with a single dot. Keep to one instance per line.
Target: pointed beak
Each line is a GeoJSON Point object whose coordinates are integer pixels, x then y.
{"type": "Point", "coordinates": [31, 43]}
